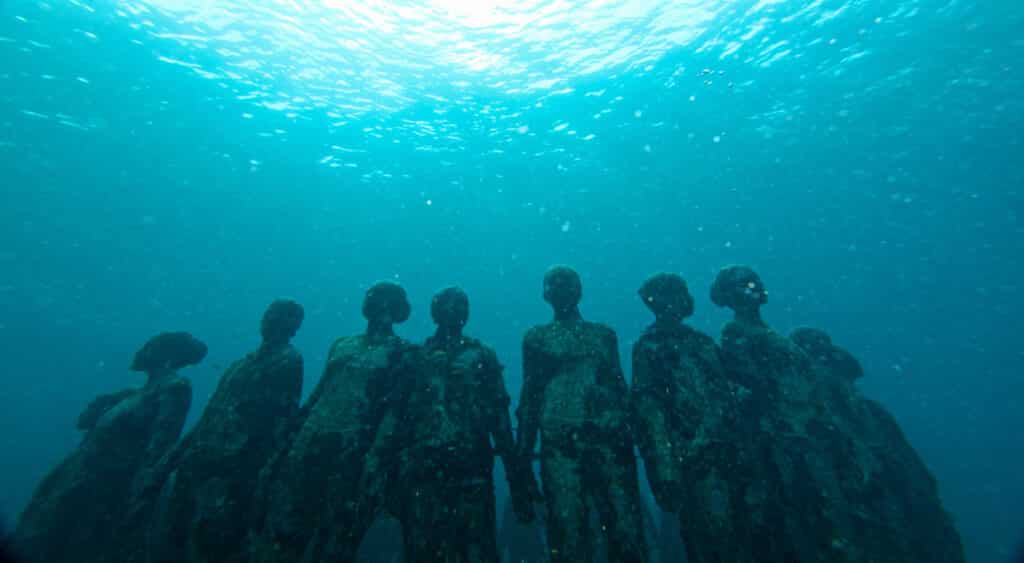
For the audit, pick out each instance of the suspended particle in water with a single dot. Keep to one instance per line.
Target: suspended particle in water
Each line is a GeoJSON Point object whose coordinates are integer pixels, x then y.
{"type": "Point", "coordinates": [430, 202]}
{"type": "Point", "coordinates": [566, 226]}
{"type": "Point", "coordinates": [523, 130]}
{"type": "Point", "coordinates": [716, 139]}
{"type": "Point", "coordinates": [647, 148]}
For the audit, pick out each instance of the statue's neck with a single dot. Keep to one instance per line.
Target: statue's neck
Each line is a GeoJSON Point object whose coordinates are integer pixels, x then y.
{"type": "Point", "coordinates": [447, 336]}
{"type": "Point", "coordinates": [672, 324]}
{"type": "Point", "coordinates": [376, 331]}
{"type": "Point", "coordinates": [158, 375]}
{"type": "Point", "coordinates": [750, 316]}
{"type": "Point", "coordinates": [270, 346]}
{"type": "Point", "coordinates": [568, 315]}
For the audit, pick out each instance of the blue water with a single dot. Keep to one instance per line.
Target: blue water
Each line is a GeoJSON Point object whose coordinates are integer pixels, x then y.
{"type": "Point", "coordinates": [176, 165]}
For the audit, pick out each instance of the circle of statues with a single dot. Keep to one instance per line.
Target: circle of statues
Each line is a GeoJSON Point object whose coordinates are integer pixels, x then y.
{"type": "Point", "coordinates": [758, 446]}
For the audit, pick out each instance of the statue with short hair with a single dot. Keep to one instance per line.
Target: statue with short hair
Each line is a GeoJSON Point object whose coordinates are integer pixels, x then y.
{"type": "Point", "coordinates": [79, 509]}
{"type": "Point", "coordinates": [324, 490]}
{"type": "Point", "coordinates": [204, 500]}
{"type": "Point", "coordinates": [576, 399]}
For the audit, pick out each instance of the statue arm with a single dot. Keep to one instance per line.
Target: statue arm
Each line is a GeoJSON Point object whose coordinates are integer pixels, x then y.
{"type": "Point", "coordinates": [522, 482]}
{"type": "Point", "coordinates": [528, 411]}
{"type": "Point", "coordinates": [286, 392]}
{"type": "Point", "coordinates": [172, 409]}
{"type": "Point", "coordinates": [499, 419]}
{"type": "Point", "coordinates": [159, 459]}
{"type": "Point", "coordinates": [651, 428]}
{"type": "Point", "coordinates": [100, 405]}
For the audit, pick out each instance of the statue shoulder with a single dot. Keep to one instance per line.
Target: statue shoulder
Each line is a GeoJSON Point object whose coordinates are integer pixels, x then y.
{"type": "Point", "coordinates": [536, 335]}
{"type": "Point", "coordinates": [601, 332]}
{"type": "Point", "coordinates": [345, 347]}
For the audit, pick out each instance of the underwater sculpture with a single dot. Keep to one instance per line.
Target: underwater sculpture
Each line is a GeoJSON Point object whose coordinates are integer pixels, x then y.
{"type": "Point", "coordinates": [792, 450]}
{"type": "Point", "coordinates": [686, 424]}
{"type": "Point", "coordinates": [79, 508]}
{"type": "Point", "coordinates": [323, 492]}
{"type": "Point", "coordinates": [447, 504]}
{"type": "Point", "coordinates": [575, 396]}
{"type": "Point", "coordinates": [893, 498]}
{"type": "Point", "coordinates": [204, 509]}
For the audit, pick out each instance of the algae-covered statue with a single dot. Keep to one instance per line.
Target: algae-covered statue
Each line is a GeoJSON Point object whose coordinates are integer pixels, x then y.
{"type": "Point", "coordinates": [795, 456]}
{"type": "Point", "coordinates": [457, 407]}
{"type": "Point", "coordinates": [686, 424]}
{"type": "Point", "coordinates": [575, 396]}
{"type": "Point", "coordinates": [324, 490]}
{"type": "Point", "coordinates": [894, 501]}
{"type": "Point", "coordinates": [79, 508]}
{"type": "Point", "coordinates": [204, 508]}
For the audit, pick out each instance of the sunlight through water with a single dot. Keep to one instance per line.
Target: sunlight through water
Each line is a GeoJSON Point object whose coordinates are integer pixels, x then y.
{"type": "Point", "coordinates": [439, 76]}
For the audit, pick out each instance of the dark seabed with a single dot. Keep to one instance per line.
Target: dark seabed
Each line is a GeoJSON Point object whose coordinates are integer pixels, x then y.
{"type": "Point", "coordinates": [173, 165]}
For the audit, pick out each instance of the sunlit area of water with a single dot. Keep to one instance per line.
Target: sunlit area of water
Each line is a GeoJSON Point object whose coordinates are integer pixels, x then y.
{"type": "Point", "coordinates": [410, 72]}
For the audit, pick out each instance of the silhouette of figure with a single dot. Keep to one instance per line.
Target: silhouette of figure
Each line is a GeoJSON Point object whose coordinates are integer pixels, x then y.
{"type": "Point", "coordinates": [575, 396]}
{"type": "Point", "coordinates": [686, 423]}
{"type": "Point", "coordinates": [325, 489]}
{"type": "Point", "coordinates": [78, 509]}
{"type": "Point", "coordinates": [205, 505]}
{"type": "Point", "coordinates": [457, 408]}
{"type": "Point", "coordinates": [895, 508]}
{"type": "Point", "coordinates": [795, 510]}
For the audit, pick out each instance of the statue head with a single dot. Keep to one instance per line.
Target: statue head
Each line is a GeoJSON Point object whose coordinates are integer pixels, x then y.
{"type": "Point", "coordinates": [818, 345]}
{"type": "Point", "coordinates": [169, 351]}
{"type": "Point", "coordinates": [667, 296]}
{"type": "Point", "coordinates": [739, 288]}
{"type": "Point", "coordinates": [386, 303]}
{"type": "Point", "coordinates": [281, 321]}
{"type": "Point", "coordinates": [450, 308]}
{"type": "Point", "coordinates": [562, 288]}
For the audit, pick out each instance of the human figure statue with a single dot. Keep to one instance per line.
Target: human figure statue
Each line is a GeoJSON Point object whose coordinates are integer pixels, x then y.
{"type": "Point", "coordinates": [575, 396]}
{"type": "Point", "coordinates": [204, 509]}
{"type": "Point", "coordinates": [456, 409]}
{"type": "Point", "coordinates": [323, 492]}
{"type": "Point", "coordinates": [794, 509]}
{"type": "Point", "coordinates": [78, 509]}
{"type": "Point", "coordinates": [894, 501]}
{"type": "Point", "coordinates": [686, 424]}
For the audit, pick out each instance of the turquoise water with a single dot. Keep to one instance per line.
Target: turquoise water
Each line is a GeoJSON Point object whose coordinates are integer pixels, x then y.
{"type": "Point", "coordinates": [176, 165]}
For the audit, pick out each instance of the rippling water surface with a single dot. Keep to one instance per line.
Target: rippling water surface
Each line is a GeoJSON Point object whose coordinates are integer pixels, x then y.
{"type": "Point", "coordinates": [442, 76]}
